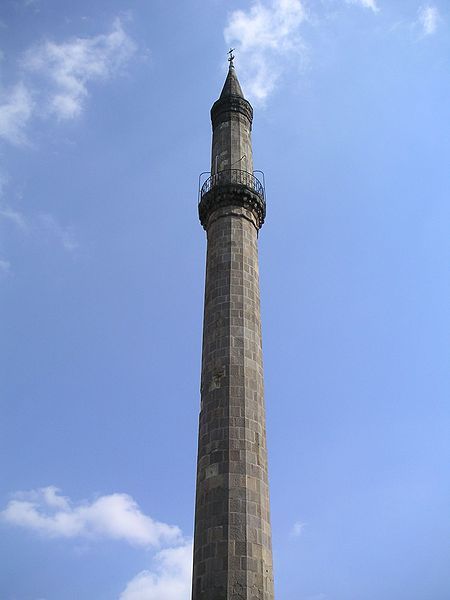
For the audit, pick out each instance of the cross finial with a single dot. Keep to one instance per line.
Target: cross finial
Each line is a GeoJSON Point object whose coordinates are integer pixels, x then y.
{"type": "Point", "coordinates": [230, 60]}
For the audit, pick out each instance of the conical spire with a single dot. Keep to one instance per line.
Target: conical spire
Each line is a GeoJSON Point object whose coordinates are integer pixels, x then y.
{"type": "Point", "coordinates": [231, 86]}
{"type": "Point", "coordinates": [230, 103]}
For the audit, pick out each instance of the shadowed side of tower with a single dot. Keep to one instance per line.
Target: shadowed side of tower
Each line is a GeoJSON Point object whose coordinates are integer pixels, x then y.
{"type": "Point", "coordinates": [232, 539]}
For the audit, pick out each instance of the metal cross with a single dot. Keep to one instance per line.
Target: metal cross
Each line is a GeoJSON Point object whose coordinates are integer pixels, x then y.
{"type": "Point", "coordinates": [230, 52]}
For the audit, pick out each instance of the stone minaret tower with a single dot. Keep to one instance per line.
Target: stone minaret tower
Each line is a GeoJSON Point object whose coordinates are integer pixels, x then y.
{"type": "Point", "coordinates": [232, 542]}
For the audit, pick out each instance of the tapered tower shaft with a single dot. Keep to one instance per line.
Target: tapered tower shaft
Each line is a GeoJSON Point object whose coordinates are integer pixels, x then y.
{"type": "Point", "coordinates": [232, 540]}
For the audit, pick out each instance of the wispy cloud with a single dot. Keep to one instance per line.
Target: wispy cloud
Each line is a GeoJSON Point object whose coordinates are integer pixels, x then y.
{"type": "Point", "coordinates": [72, 65]}
{"type": "Point", "coordinates": [65, 235]}
{"type": "Point", "coordinates": [16, 108]}
{"type": "Point", "coordinates": [115, 516]}
{"type": "Point", "coordinates": [34, 4]}
{"type": "Point", "coordinates": [55, 79]}
{"type": "Point", "coordinates": [13, 216]}
{"type": "Point", "coordinates": [298, 529]}
{"type": "Point", "coordinates": [428, 19]}
{"type": "Point", "coordinates": [45, 226]}
{"type": "Point", "coordinates": [171, 579]}
{"type": "Point", "coordinates": [265, 36]}
{"type": "Point", "coordinates": [371, 4]}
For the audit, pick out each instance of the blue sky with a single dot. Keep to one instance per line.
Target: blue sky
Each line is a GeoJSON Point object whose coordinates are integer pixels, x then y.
{"type": "Point", "coordinates": [104, 128]}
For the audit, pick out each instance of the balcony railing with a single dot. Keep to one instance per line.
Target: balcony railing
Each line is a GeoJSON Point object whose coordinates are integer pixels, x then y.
{"type": "Point", "coordinates": [233, 176]}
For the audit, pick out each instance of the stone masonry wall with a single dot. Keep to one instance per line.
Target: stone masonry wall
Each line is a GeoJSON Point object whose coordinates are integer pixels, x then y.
{"type": "Point", "coordinates": [231, 144]}
{"type": "Point", "coordinates": [232, 542]}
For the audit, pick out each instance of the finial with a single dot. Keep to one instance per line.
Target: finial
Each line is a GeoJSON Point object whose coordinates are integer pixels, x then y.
{"type": "Point", "coordinates": [230, 60]}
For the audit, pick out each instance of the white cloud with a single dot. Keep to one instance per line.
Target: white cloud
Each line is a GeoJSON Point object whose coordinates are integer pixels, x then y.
{"type": "Point", "coordinates": [71, 65]}
{"type": "Point", "coordinates": [14, 216]}
{"type": "Point", "coordinates": [371, 4]}
{"type": "Point", "coordinates": [64, 235]}
{"type": "Point", "coordinates": [171, 579]}
{"type": "Point", "coordinates": [43, 225]}
{"type": "Point", "coordinates": [16, 108]}
{"type": "Point", "coordinates": [429, 19]}
{"type": "Point", "coordinates": [52, 498]}
{"type": "Point", "coordinates": [265, 36]}
{"type": "Point", "coordinates": [298, 528]}
{"type": "Point", "coordinates": [116, 516]}
{"type": "Point", "coordinates": [32, 4]}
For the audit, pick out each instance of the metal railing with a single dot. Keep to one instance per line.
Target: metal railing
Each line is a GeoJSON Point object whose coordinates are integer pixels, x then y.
{"type": "Point", "coordinates": [233, 176]}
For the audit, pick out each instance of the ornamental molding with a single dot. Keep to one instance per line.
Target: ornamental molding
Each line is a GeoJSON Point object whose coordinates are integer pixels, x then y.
{"type": "Point", "coordinates": [231, 195]}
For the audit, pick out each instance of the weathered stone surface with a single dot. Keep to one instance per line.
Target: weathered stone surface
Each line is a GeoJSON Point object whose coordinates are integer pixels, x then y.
{"type": "Point", "coordinates": [232, 539]}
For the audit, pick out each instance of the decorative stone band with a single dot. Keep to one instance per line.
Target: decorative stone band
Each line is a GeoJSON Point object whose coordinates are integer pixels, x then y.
{"type": "Point", "coordinates": [222, 108]}
{"type": "Point", "coordinates": [230, 195]}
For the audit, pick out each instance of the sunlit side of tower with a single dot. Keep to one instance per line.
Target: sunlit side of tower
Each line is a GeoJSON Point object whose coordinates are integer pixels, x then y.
{"type": "Point", "coordinates": [232, 540]}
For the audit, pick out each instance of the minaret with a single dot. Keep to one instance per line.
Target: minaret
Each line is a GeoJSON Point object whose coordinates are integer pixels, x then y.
{"type": "Point", "coordinates": [232, 540]}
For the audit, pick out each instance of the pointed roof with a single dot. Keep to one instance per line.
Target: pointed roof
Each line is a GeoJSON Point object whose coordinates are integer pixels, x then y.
{"type": "Point", "coordinates": [231, 99]}
{"type": "Point", "coordinates": [231, 86]}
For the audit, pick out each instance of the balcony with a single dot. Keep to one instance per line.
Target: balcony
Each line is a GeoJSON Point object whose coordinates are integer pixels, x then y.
{"type": "Point", "coordinates": [232, 187]}
{"type": "Point", "coordinates": [234, 177]}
